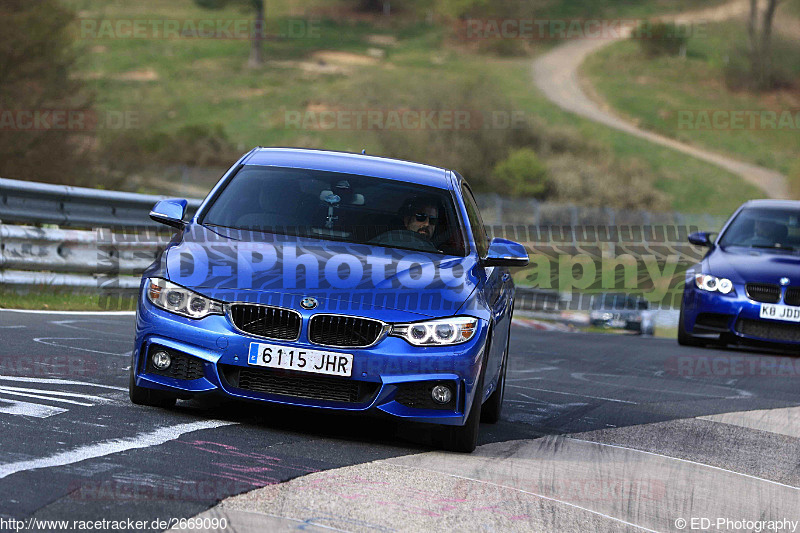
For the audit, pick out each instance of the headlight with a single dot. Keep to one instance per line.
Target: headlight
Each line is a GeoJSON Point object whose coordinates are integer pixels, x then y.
{"type": "Point", "coordinates": [439, 332]}
{"type": "Point", "coordinates": [176, 299]}
{"type": "Point", "coordinates": [710, 283]}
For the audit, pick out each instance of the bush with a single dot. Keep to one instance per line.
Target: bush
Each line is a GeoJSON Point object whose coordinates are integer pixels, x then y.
{"type": "Point", "coordinates": [785, 68]}
{"type": "Point", "coordinates": [660, 39]}
{"type": "Point", "coordinates": [603, 183]}
{"type": "Point", "coordinates": [521, 174]}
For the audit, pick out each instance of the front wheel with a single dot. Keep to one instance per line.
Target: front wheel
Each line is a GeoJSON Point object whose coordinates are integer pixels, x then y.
{"type": "Point", "coordinates": [494, 405]}
{"type": "Point", "coordinates": [153, 398]}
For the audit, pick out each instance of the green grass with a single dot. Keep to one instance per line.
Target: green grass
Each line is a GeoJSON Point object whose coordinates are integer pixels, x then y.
{"type": "Point", "coordinates": [206, 82]}
{"type": "Point", "coordinates": [653, 92]}
{"type": "Point", "coordinates": [51, 299]}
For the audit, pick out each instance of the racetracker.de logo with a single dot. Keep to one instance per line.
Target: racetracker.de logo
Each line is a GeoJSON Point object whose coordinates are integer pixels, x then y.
{"type": "Point", "coordinates": [203, 28]}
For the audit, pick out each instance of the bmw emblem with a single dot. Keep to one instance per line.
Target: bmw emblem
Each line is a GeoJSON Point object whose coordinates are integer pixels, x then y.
{"type": "Point", "coordinates": [309, 303]}
{"type": "Point", "coordinates": [784, 281]}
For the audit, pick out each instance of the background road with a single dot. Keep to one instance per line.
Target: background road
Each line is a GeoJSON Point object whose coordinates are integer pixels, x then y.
{"type": "Point", "coordinates": [591, 421]}
{"type": "Point", "coordinates": [556, 74]}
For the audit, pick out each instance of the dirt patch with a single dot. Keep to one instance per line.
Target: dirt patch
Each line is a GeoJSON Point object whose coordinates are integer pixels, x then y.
{"type": "Point", "coordinates": [382, 40]}
{"type": "Point", "coordinates": [343, 58]}
{"type": "Point", "coordinates": [311, 67]}
{"type": "Point", "coordinates": [147, 74]}
{"type": "Point", "coordinates": [98, 49]}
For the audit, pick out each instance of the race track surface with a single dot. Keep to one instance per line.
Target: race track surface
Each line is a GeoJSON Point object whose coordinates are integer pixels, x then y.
{"type": "Point", "coordinates": [599, 432]}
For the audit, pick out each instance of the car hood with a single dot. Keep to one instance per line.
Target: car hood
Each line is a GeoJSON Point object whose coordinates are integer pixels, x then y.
{"type": "Point", "coordinates": [234, 265]}
{"type": "Point", "coordinates": [742, 265]}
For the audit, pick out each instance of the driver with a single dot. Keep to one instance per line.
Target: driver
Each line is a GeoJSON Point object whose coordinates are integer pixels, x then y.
{"type": "Point", "coordinates": [420, 215]}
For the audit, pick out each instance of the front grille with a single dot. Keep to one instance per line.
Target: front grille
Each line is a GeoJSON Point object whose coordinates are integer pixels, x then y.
{"type": "Point", "coordinates": [769, 330]}
{"type": "Point", "coordinates": [714, 321]}
{"type": "Point", "coordinates": [283, 383]}
{"type": "Point", "coordinates": [418, 395]}
{"type": "Point", "coordinates": [265, 321]}
{"type": "Point", "coordinates": [349, 331]}
{"type": "Point", "coordinates": [792, 296]}
{"type": "Point", "coordinates": [763, 292]}
{"type": "Point", "coordinates": [183, 366]}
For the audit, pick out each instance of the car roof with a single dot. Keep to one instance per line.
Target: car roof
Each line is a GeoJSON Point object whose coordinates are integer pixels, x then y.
{"type": "Point", "coordinates": [792, 204]}
{"type": "Point", "coordinates": [363, 165]}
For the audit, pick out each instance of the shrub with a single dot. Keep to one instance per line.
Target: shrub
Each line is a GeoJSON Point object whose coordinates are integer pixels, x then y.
{"type": "Point", "coordinates": [521, 174]}
{"type": "Point", "coordinates": [784, 68]}
{"type": "Point", "coordinates": [661, 38]}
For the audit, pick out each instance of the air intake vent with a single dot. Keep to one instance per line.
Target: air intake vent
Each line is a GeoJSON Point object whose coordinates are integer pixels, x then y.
{"type": "Point", "coordinates": [792, 296]}
{"type": "Point", "coordinates": [295, 385]}
{"type": "Point", "coordinates": [763, 292]}
{"type": "Point", "coordinates": [265, 321]}
{"type": "Point", "coordinates": [768, 330]}
{"type": "Point", "coordinates": [344, 331]}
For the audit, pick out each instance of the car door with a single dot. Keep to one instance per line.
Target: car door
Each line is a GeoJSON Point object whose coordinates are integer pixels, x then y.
{"type": "Point", "coordinates": [495, 289]}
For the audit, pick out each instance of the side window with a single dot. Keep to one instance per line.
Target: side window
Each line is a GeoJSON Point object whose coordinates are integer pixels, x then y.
{"type": "Point", "coordinates": [475, 221]}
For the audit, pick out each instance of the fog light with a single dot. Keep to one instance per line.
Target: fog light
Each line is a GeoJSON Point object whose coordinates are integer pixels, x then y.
{"type": "Point", "coordinates": [441, 394]}
{"type": "Point", "coordinates": [161, 360]}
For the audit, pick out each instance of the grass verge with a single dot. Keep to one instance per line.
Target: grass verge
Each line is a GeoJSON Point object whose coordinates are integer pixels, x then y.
{"type": "Point", "coordinates": [673, 96]}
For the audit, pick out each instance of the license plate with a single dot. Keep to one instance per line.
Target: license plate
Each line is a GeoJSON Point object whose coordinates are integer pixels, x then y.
{"type": "Point", "coordinates": [780, 312]}
{"type": "Point", "coordinates": [301, 359]}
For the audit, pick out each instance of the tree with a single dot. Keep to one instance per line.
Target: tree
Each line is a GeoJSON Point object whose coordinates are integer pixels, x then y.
{"type": "Point", "coordinates": [36, 57]}
{"type": "Point", "coordinates": [259, 25]}
{"type": "Point", "coordinates": [760, 42]}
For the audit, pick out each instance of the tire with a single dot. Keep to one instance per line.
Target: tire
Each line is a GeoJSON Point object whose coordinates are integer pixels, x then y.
{"type": "Point", "coordinates": [492, 407]}
{"type": "Point", "coordinates": [684, 337]}
{"type": "Point", "coordinates": [464, 439]}
{"type": "Point", "coordinates": [149, 397]}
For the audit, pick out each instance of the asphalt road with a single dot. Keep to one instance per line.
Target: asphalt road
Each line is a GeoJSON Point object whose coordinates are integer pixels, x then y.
{"type": "Point", "coordinates": [699, 430]}
{"type": "Point", "coordinates": [556, 74]}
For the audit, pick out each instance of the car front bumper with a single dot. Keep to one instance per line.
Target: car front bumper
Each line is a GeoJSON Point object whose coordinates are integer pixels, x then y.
{"type": "Point", "coordinates": [390, 378]}
{"type": "Point", "coordinates": [735, 317]}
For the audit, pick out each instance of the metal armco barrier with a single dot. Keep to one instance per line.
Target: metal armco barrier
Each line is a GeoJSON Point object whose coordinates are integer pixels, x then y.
{"type": "Point", "coordinates": [87, 258]}
{"type": "Point", "coordinates": [41, 203]}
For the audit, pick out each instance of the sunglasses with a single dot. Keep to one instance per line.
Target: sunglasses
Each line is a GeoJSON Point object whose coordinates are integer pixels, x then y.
{"type": "Point", "coordinates": [422, 217]}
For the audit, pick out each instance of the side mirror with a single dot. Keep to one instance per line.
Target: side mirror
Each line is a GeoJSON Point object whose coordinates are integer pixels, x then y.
{"type": "Point", "coordinates": [170, 212]}
{"type": "Point", "coordinates": [506, 253]}
{"type": "Point", "coordinates": [701, 238]}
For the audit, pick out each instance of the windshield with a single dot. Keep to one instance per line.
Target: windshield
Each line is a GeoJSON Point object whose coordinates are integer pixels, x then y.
{"type": "Point", "coordinates": [766, 228]}
{"type": "Point", "coordinates": [341, 207]}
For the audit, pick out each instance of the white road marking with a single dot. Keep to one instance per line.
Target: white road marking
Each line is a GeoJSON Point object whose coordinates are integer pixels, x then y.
{"type": "Point", "coordinates": [43, 340]}
{"type": "Point", "coordinates": [13, 327]}
{"type": "Point", "coordinates": [40, 397]}
{"type": "Point", "coordinates": [574, 394]}
{"type": "Point", "coordinates": [685, 461]}
{"type": "Point", "coordinates": [109, 447]}
{"type": "Point", "coordinates": [57, 381]}
{"type": "Point", "coordinates": [56, 393]}
{"type": "Point", "coordinates": [529, 370]}
{"type": "Point", "coordinates": [625, 382]}
{"type": "Point", "coordinates": [36, 410]}
{"type": "Point", "coordinates": [87, 313]}
{"type": "Point", "coordinates": [542, 496]}
{"type": "Point", "coordinates": [70, 324]}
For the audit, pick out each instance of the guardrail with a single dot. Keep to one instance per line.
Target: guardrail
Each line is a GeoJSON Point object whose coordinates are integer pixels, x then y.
{"type": "Point", "coordinates": [60, 236]}
{"type": "Point", "coordinates": [41, 203]}
{"type": "Point", "coordinates": [49, 255]}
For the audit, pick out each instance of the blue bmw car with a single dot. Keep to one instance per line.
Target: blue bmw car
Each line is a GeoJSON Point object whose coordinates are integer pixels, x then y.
{"type": "Point", "coordinates": [334, 281]}
{"type": "Point", "coordinates": [747, 288]}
